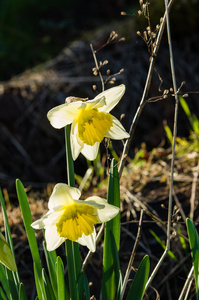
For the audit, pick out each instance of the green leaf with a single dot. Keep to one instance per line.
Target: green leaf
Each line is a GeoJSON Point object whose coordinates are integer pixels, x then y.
{"type": "Point", "coordinates": [61, 284]}
{"type": "Point", "coordinates": [14, 277]}
{"type": "Point", "coordinates": [111, 227]}
{"type": "Point", "coordinates": [27, 218]}
{"type": "Point", "coordinates": [13, 287]}
{"type": "Point", "coordinates": [6, 257]}
{"type": "Point", "coordinates": [2, 294]}
{"type": "Point", "coordinates": [194, 245]}
{"type": "Point", "coordinates": [40, 287]}
{"type": "Point", "coordinates": [116, 265]}
{"type": "Point", "coordinates": [83, 286]}
{"type": "Point", "coordinates": [22, 292]}
{"type": "Point", "coordinates": [168, 134]}
{"type": "Point", "coordinates": [86, 287]}
{"type": "Point", "coordinates": [51, 258]}
{"type": "Point", "coordinates": [192, 118]}
{"type": "Point", "coordinates": [138, 286]}
{"type": "Point", "coordinates": [48, 288]}
{"type": "Point", "coordinates": [71, 269]}
{"type": "Point", "coordinates": [170, 253]}
{"type": "Point", "coordinates": [4, 280]}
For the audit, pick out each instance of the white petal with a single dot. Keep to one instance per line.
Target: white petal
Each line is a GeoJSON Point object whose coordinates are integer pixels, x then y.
{"type": "Point", "coordinates": [76, 143]}
{"type": "Point", "coordinates": [112, 97]}
{"type": "Point", "coordinates": [96, 103]}
{"type": "Point", "coordinates": [90, 152]}
{"type": "Point", "coordinates": [96, 205]}
{"type": "Point", "coordinates": [117, 131]}
{"type": "Point", "coordinates": [89, 241]}
{"type": "Point", "coordinates": [64, 114]}
{"type": "Point", "coordinates": [64, 195]}
{"type": "Point", "coordinates": [106, 213]}
{"type": "Point", "coordinates": [53, 241]}
{"type": "Point", "coordinates": [50, 218]}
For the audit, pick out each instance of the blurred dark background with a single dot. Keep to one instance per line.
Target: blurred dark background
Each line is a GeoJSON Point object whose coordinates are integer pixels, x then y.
{"type": "Point", "coordinates": [33, 31]}
{"type": "Point", "coordinates": [48, 44]}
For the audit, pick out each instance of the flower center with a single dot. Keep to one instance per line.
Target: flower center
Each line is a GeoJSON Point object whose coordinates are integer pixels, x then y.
{"type": "Point", "coordinates": [76, 220]}
{"type": "Point", "coordinates": [93, 125]}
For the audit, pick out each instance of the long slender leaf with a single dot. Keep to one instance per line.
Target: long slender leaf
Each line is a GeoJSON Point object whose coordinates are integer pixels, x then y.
{"type": "Point", "coordinates": [138, 286]}
{"type": "Point", "coordinates": [48, 288]}
{"type": "Point", "coordinates": [13, 287]}
{"type": "Point", "coordinates": [6, 257]}
{"type": "Point", "coordinates": [40, 292]}
{"type": "Point", "coordinates": [4, 280]}
{"type": "Point", "coordinates": [61, 284]}
{"type": "Point", "coordinates": [194, 245]}
{"type": "Point", "coordinates": [111, 227]}
{"type": "Point", "coordinates": [83, 286]}
{"type": "Point", "coordinates": [170, 253]}
{"type": "Point", "coordinates": [14, 276]}
{"type": "Point", "coordinates": [2, 294]}
{"type": "Point", "coordinates": [116, 265]}
{"type": "Point", "coordinates": [86, 287]}
{"type": "Point", "coordinates": [22, 292]}
{"type": "Point", "coordinates": [27, 218]}
{"type": "Point", "coordinates": [51, 258]}
{"type": "Point", "coordinates": [71, 270]}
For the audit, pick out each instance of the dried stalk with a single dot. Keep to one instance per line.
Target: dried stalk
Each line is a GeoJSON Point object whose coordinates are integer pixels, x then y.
{"type": "Point", "coordinates": [128, 270]}
{"type": "Point", "coordinates": [173, 149]}
{"type": "Point", "coordinates": [186, 286]}
{"type": "Point", "coordinates": [145, 93]}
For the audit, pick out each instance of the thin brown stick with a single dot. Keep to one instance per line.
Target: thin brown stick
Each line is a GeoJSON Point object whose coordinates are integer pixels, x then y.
{"type": "Point", "coordinates": [145, 93]}
{"type": "Point", "coordinates": [173, 150]}
{"type": "Point", "coordinates": [128, 270]}
{"type": "Point", "coordinates": [193, 192]}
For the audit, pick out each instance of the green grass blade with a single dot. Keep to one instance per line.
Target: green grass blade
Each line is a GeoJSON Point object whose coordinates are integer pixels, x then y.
{"type": "Point", "coordinates": [192, 118]}
{"type": "Point", "coordinates": [61, 284]}
{"type": "Point", "coordinates": [138, 286]}
{"type": "Point", "coordinates": [194, 245]}
{"type": "Point", "coordinates": [168, 134]}
{"type": "Point", "coordinates": [51, 258]}
{"type": "Point", "coordinates": [27, 218]}
{"type": "Point", "coordinates": [48, 288]}
{"type": "Point", "coordinates": [22, 292]}
{"type": "Point", "coordinates": [111, 227]}
{"type": "Point", "coordinates": [170, 253]}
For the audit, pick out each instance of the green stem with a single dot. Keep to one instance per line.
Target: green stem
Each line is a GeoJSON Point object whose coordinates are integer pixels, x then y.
{"type": "Point", "coordinates": [72, 248]}
{"type": "Point", "coordinates": [71, 269]}
{"type": "Point", "coordinates": [69, 159]}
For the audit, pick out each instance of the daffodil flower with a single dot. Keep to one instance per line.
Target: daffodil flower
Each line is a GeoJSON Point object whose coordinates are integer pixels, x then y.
{"type": "Point", "coordinates": [91, 121]}
{"type": "Point", "coordinates": [73, 219]}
